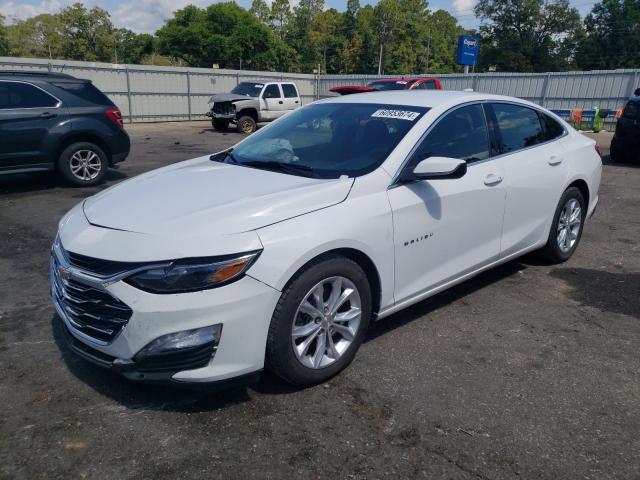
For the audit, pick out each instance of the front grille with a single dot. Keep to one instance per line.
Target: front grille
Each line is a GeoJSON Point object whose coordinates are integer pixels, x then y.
{"type": "Point", "coordinates": [91, 311]}
{"type": "Point", "coordinates": [97, 266]}
{"type": "Point", "coordinates": [224, 108]}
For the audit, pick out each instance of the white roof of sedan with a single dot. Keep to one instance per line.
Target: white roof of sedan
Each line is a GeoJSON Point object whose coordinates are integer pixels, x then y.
{"type": "Point", "coordinates": [420, 98]}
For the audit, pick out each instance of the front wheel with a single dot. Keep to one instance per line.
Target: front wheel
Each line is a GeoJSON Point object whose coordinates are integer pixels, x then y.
{"type": "Point", "coordinates": [319, 321]}
{"type": "Point", "coordinates": [220, 124]}
{"type": "Point", "coordinates": [246, 125]}
{"type": "Point", "coordinates": [566, 229]}
{"type": "Point", "coordinates": [83, 164]}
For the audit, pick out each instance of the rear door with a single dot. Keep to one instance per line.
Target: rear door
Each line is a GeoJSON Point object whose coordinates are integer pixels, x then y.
{"type": "Point", "coordinates": [27, 113]}
{"type": "Point", "coordinates": [272, 102]}
{"type": "Point", "coordinates": [535, 171]}
{"type": "Point", "coordinates": [291, 96]}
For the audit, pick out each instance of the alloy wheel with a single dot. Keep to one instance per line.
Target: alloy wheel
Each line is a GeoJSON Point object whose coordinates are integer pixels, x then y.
{"type": "Point", "coordinates": [85, 165]}
{"type": "Point", "coordinates": [569, 225]}
{"type": "Point", "coordinates": [326, 322]}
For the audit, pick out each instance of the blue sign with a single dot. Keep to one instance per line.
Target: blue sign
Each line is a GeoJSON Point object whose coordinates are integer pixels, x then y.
{"type": "Point", "coordinates": [468, 48]}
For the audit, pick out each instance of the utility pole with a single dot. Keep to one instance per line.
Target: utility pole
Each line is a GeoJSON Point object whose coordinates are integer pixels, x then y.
{"type": "Point", "coordinates": [428, 49]}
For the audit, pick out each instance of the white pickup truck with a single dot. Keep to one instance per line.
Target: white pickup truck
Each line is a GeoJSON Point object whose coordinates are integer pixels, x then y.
{"type": "Point", "coordinates": [252, 102]}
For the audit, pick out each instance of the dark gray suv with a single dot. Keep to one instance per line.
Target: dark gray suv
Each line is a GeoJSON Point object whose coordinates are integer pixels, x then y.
{"type": "Point", "coordinates": [53, 121]}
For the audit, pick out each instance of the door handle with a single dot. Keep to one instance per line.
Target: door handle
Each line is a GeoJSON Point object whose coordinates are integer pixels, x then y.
{"type": "Point", "coordinates": [280, 102]}
{"type": "Point", "coordinates": [47, 115]}
{"type": "Point", "coordinates": [492, 179]}
{"type": "Point", "coordinates": [554, 160]}
{"type": "Point", "coordinates": [297, 101]}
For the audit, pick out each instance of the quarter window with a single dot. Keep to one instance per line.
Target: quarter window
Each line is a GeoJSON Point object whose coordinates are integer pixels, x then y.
{"type": "Point", "coordinates": [519, 126]}
{"type": "Point", "coordinates": [460, 134]}
{"type": "Point", "coordinates": [289, 90]}
{"type": "Point", "coordinates": [22, 95]}
{"type": "Point", "coordinates": [272, 91]}
{"type": "Point", "coordinates": [552, 129]}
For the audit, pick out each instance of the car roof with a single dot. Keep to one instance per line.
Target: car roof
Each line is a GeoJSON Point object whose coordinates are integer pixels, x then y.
{"type": "Point", "coordinates": [34, 74]}
{"type": "Point", "coordinates": [401, 79]}
{"type": "Point", "coordinates": [424, 98]}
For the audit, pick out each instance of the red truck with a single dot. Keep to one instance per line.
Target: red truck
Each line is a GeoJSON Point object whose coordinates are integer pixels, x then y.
{"type": "Point", "coordinates": [417, 83]}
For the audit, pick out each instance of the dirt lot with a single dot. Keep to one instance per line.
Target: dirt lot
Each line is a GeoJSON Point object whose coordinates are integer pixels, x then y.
{"type": "Point", "coordinates": [528, 371]}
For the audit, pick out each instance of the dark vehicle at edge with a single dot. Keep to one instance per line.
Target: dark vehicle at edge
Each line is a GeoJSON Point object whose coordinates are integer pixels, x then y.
{"type": "Point", "coordinates": [625, 145]}
{"type": "Point", "coordinates": [56, 122]}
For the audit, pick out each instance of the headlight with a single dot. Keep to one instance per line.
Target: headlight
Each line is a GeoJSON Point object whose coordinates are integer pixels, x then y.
{"type": "Point", "coordinates": [191, 275]}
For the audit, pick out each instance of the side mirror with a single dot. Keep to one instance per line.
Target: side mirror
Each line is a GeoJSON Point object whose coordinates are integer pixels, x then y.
{"type": "Point", "coordinates": [436, 168]}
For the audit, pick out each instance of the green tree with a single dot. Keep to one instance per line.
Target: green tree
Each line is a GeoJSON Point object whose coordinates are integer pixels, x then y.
{"type": "Point", "coordinates": [223, 34]}
{"type": "Point", "coordinates": [439, 54]}
{"type": "Point", "coordinates": [130, 47]}
{"type": "Point", "coordinates": [4, 40]}
{"type": "Point", "coordinates": [612, 36]}
{"type": "Point", "coordinates": [87, 34]}
{"type": "Point", "coordinates": [528, 35]}
{"type": "Point", "coordinates": [280, 17]}
{"type": "Point", "coordinates": [261, 11]}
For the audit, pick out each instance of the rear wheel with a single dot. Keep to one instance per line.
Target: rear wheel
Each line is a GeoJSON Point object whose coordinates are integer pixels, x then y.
{"type": "Point", "coordinates": [220, 124]}
{"type": "Point", "coordinates": [83, 164]}
{"type": "Point", "coordinates": [566, 229]}
{"type": "Point", "coordinates": [320, 321]}
{"type": "Point", "coordinates": [246, 125]}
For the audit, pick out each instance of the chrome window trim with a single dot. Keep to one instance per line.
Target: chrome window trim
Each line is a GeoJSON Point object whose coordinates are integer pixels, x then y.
{"type": "Point", "coordinates": [565, 132]}
{"type": "Point", "coordinates": [58, 105]}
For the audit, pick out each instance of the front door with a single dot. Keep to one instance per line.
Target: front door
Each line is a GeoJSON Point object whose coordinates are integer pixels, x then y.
{"type": "Point", "coordinates": [273, 104]}
{"type": "Point", "coordinates": [446, 228]}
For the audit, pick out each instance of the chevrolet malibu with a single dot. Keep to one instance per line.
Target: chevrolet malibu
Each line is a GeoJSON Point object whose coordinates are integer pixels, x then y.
{"type": "Point", "coordinates": [280, 251]}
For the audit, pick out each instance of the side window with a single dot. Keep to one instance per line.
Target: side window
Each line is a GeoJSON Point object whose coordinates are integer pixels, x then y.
{"type": "Point", "coordinates": [272, 91]}
{"type": "Point", "coordinates": [428, 85]}
{"type": "Point", "coordinates": [460, 134]}
{"type": "Point", "coordinates": [23, 95]}
{"type": "Point", "coordinates": [552, 129]}
{"type": "Point", "coordinates": [289, 90]}
{"type": "Point", "coordinates": [519, 126]}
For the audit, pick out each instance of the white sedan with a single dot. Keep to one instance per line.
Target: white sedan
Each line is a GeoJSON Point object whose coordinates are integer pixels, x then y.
{"type": "Point", "coordinates": [279, 252]}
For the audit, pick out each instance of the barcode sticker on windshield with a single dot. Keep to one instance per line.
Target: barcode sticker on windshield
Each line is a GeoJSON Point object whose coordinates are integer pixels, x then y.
{"type": "Point", "coordinates": [400, 114]}
{"type": "Point", "coordinates": [258, 85]}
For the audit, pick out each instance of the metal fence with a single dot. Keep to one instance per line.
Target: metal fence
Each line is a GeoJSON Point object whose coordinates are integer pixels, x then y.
{"type": "Point", "coordinates": [150, 93]}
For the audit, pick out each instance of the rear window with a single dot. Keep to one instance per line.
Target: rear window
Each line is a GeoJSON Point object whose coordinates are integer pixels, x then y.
{"type": "Point", "coordinates": [86, 91]}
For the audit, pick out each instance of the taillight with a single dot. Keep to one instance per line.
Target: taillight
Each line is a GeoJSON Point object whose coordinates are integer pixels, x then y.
{"type": "Point", "coordinates": [598, 150]}
{"type": "Point", "coordinates": [115, 116]}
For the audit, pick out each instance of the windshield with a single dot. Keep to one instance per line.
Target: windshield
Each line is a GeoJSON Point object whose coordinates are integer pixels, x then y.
{"type": "Point", "coordinates": [249, 89]}
{"type": "Point", "coordinates": [328, 140]}
{"type": "Point", "coordinates": [397, 85]}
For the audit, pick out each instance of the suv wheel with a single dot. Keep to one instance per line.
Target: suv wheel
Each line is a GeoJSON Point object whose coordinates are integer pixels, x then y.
{"type": "Point", "coordinates": [566, 229]}
{"type": "Point", "coordinates": [246, 125]}
{"type": "Point", "coordinates": [83, 164]}
{"type": "Point", "coordinates": [319, 321]}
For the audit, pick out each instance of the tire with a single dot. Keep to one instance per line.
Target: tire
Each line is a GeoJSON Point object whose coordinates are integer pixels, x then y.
{"type": "Point", "coordinates": [220, 124]}
{"type": "Point", "coordinates": [246, 125]}
{"type": "Point", "coordinates": [556, 250]}
{"type": "Point", "coordinates": [329, 272]}
{"type": "Point", "coordinates": [74, 155]}
{"type": "Point", "coordinates": [615, 152]}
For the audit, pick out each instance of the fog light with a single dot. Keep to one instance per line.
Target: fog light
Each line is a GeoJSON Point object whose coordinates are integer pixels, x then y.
{"type": "Point", "coordinates": [187, 339]}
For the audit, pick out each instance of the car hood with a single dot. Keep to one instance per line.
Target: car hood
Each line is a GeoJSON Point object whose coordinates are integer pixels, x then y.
{"type": "Point", "coordinates": [201, 196]}
{"type": "Point", "coordinates": [230, 97]}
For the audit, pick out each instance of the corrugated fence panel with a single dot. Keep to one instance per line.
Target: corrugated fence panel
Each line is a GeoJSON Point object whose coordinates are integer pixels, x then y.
{"type": "Point", "coordinates": [171, 93]}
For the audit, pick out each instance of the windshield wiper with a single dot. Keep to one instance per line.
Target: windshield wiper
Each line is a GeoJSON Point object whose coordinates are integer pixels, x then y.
{"type": "Point", "coordinates": [223, 156]}
{"type": "Point", "coordinates": [281, 166]}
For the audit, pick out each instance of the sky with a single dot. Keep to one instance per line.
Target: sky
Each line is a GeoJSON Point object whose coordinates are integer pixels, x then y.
{"type": "Point", "coordinates": [145, 16]}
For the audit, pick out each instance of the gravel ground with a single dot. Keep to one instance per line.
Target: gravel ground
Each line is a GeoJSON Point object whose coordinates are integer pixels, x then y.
{"type": "Point", "coordinates": [527, 371]}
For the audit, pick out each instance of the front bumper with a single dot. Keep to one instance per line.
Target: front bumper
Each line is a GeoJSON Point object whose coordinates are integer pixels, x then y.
{"type": "Point", "coordinates": [244, 308]}
{"type": "Point", "coordinates": [224, 116]}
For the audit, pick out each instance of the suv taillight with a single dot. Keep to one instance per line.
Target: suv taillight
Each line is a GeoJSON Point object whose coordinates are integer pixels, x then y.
{"type": "Point", "coordinates": [115, 116]}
